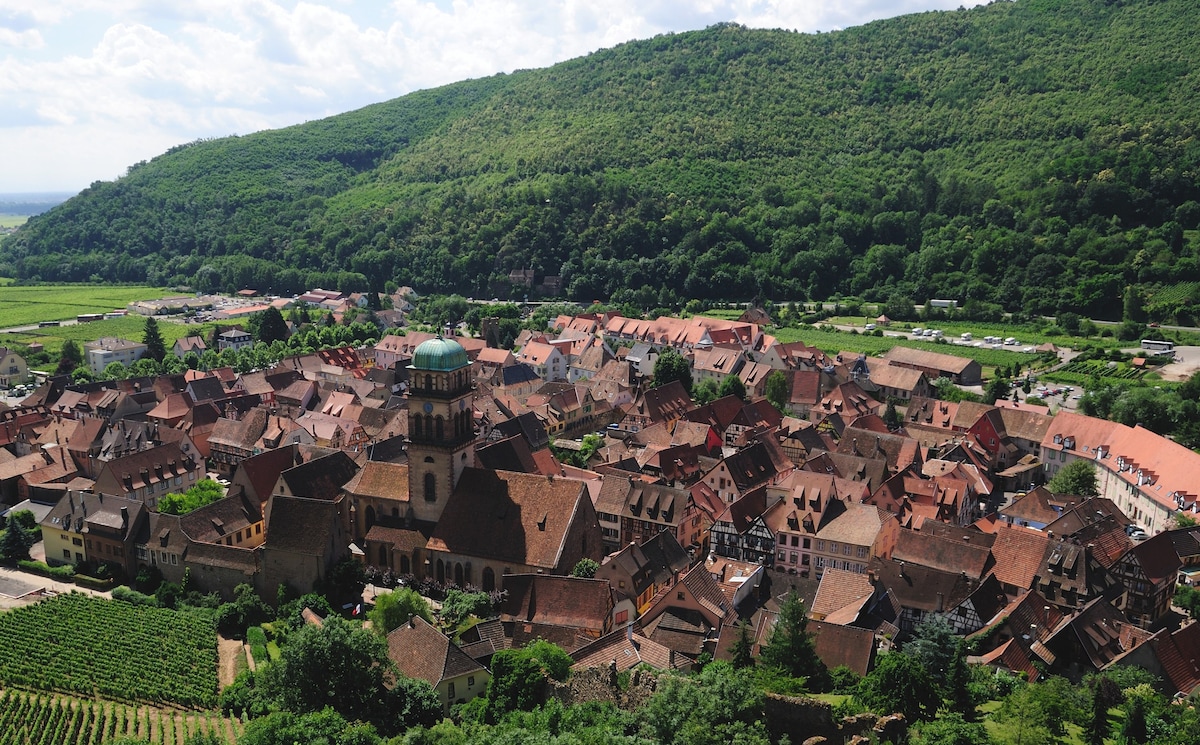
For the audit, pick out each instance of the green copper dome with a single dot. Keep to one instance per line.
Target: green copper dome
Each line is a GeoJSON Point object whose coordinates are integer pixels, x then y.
{"type": "Point", "coordinates": [439, 355]}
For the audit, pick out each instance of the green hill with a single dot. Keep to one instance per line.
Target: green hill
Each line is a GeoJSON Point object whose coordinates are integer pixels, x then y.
{"type": "Point", "coordinates": [1037, 155]}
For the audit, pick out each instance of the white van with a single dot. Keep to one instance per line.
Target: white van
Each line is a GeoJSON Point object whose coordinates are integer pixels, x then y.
{"type": "Point", "coordinates": [869, 327]}
{"type": "Point", "coordinates": [966, 336]}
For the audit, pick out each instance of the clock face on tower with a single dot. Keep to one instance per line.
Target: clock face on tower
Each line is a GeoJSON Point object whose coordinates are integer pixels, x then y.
{"type": "Point", "coordinates": [428, 408]}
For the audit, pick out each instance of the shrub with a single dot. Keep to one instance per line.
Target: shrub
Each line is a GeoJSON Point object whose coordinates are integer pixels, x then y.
{"type": "Point", "coordinates": [129, 595]}
{"type": "Point", "coordinates": [65, 572]}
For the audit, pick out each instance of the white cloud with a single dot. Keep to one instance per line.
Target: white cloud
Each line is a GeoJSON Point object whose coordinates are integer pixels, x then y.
{"type": "Point", "coordinates": [92, 86]}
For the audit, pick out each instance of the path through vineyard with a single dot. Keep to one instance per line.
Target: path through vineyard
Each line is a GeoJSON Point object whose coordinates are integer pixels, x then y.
{"type": "Point", "coordinates": [229, 651]}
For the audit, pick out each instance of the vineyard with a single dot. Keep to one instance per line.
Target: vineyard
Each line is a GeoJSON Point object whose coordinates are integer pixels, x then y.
{"type": "Point", "coordinates": [32, 719]}
{"type": "Point", "coordinates": [1084, 372]}
{"type": "Point", "coordinates": [90, 646]}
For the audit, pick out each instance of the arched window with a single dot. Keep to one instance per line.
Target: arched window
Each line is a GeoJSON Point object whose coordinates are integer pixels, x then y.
{"type": "Point", "coordinates": [405, 564]}
{"type": "Point", "coordinates": [458, 574]}
{"type": "Point", "coordinates": [428, 382]}
{"type": "Point", "coordinates": [441, 571]}
{"type": "Point", "coordinates": [428, 427]}
{"type": "Point", "coordinates": [439, 428]}
{"type": "Point", "coordinates": [383, 556]}
{"type": "Point", "coordinates": [489, 579]}
{"type": "Point", "coordinates": [430, 488]}
{"type": "Point", "coordinates": [370, 517]}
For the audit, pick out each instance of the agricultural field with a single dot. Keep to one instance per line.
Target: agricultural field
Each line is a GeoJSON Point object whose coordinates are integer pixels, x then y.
{"type": "Point", "coordinates": [38, 719]}
{"type": "Point", "coordinates": [12, 221]}
{"type": "Point", "coordinates": [129, 327]}
{"type": "Point", "coordinates": [89, 646]}
{"type": "Point", "coordinates": [25, 305]}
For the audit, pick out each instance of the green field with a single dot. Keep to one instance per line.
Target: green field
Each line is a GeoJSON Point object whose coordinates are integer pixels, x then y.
{"type": "Point", "coordinates": [129, 327]}
{"type": "Point", "coordinates": [839, 341]}
{"type": "Point", "coordinates": [12, 221]}
{"type": "Point", "coordinates": [23, 305]}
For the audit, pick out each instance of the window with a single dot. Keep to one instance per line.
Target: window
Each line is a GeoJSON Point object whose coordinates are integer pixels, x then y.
{"type": "Point", "coordinates": [846, 549]}
{"type": "Point", "coordinates": [820, 562]}
{"type": "Point", "coordinates": [623, 617]}
{"type": "Point", "coordinates": [66, 553]}
{"type": "Point", "coordinates": [820, 545]}
{"type": "Point", "coordinates": [679, 596]}
{"type": "Point", "coordinates": [258, 529]}
{"type": "Point", "coordinates": [833, 547]}
{"type": "Point", "coordinates": [470, 681]}
{"type": "Point", "coordinates": [795, 541]}
{"type": "Point", "coordinates": [77, 541]}
{"type": "Point", "coordinates": [807, 543]}
{"type": "Point", "coordinates": [450, 689]}
{"type": "Point", "coordinates": [862, 552]}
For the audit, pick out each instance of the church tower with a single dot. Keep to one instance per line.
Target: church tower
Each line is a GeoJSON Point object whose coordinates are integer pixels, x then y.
{"type": "Point", "coordinates": [441, 429]}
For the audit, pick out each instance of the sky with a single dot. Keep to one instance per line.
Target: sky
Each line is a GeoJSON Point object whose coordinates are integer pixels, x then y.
{"type": "Point", "coordinates": [90, 87]}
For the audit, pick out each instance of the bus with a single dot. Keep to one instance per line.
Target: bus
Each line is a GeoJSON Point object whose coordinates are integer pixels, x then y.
{"type": "Point", "coordinates": [1156, 347]}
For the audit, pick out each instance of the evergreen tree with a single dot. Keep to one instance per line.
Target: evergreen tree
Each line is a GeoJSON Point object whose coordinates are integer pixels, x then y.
{"type": "Point", "coordinates": [958, 679]}
{"type": "Point", "coordinates": [271, 326]}
{"type": "Point", "coordinates": [790, 646]}
{"type": "Point", "coordinates": [743, 647]}
{"type": "Point", "coordinates": [891, 417]}
{"type": "Point", "coordinates": [156, 348]}
{"type": "Point", "coordinates": [17, 540]}
{"type": "Point", "coordinates": [69, 358]}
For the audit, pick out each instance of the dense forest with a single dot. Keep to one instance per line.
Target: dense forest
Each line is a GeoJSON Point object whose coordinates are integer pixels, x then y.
{"type": "Point", "coordinates": [1032, 156]}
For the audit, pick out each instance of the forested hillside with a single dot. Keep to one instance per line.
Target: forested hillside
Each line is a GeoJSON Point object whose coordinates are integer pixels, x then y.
{"type": "Point", "coordinates": [1037, 155]}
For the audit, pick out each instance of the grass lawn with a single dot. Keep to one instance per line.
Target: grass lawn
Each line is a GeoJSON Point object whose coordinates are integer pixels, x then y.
{"type": "Point", "coordinates": [12, 221]}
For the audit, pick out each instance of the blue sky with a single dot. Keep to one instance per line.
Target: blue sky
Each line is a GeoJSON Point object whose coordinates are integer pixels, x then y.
{"type": "Point", "coordinates": [89, 87]}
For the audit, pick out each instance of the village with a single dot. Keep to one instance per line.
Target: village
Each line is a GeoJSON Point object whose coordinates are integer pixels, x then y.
{"type": "Point", "coordinates": [438, 459]}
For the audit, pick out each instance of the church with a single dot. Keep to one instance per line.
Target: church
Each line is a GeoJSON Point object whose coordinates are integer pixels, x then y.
{"type": "Point", "coordinates": [443, 517]}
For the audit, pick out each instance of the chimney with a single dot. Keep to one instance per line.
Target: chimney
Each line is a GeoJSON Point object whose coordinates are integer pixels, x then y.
{"type": "Point", "coordinates": [124, 517]}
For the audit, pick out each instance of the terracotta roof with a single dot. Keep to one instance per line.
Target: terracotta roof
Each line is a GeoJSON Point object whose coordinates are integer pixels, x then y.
{"type": "Point", "coordinates": [923, 358]}
{"type": "Point", "coordinates": [1178, 652]}
{"type": "Point", "coordinates": [1018, 555]}
{"type": "Point", "coordinates": [843, 645]}
{"type": "Point", "coordinates": [627, 649]}
{"type": "Point", "coordinates": [299, 525]}
{"type": "Point", "coordinates": [841, 592]}
{"type": "Point", "coordinates": [947, 554]}
{"type": "Point", "coordinates": [421, 651]}
{"type": "Point", "coordinates": [380, 479]}
{"type": "Point", "coordinates": [571, 602]}
{"type": "Point", "coordinates": [511, 517]}
{"type": "Point", "coordinates": [321, 478]}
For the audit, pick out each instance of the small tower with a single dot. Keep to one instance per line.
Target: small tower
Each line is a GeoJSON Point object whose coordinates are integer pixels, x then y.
{"type": "Point", "coordinates": [441, 429]}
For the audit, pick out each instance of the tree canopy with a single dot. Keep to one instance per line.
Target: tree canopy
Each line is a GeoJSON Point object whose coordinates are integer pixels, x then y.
{"type": "Point", "coordinates": [1037, 156]}
{"type": "Point", "coordinates": [1076, 478]}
